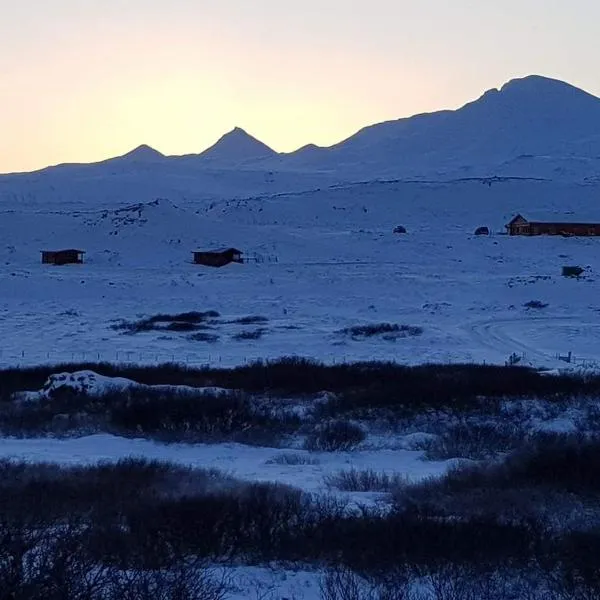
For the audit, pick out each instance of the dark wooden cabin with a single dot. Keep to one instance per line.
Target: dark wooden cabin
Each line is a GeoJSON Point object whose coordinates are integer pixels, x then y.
{"type": "Point", "coordinates": [70, 256]}
{"type": "Point", "coordinates": [521, 226]}
{"type": "Point", "coordinates": [218, 258]}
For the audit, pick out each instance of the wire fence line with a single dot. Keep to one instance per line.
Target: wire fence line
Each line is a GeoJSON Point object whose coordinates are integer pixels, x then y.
{"type": "Point", "coordinates": [151, 358]}
{"type": "Point", "coordinates": [12, 357]}
{"type": "Point", "coordinates": [31, 358]}
{"type": "Point", "coordinates": [118, 356]}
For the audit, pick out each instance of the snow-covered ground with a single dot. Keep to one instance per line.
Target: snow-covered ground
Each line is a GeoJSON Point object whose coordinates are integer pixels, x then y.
{"type": "Point", "coordinates": [321, 261]}
{"type": "Point", "coordinates": [248, 463]}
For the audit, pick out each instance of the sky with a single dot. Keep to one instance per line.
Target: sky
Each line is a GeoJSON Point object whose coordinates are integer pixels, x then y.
{"type": "Point", "coordinates": [85, 80]}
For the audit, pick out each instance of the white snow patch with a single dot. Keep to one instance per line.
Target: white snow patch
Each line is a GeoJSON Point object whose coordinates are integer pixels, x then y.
{"type": "Point", "coordinates": [93, 384]}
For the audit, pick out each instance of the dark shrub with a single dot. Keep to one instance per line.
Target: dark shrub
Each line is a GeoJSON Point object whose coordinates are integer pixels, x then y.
{"type": "Point", "coordinates": [188, 321]}
{"type": "Point", "coordinates": [387, 330]}
{"type": "Point", "coordinates": [535, 304]}
{"type": "Point", "coordinates": [335, 436]}
{"type": "Point", "coordinates": [292, 459]}
{"type": "Point", "coordinates": [474, 440]}
{"type": "Point", "coordinates": [357, 386]}
{"type": "Point", "coordinates": [251, 320]}
{"type": "Point", "coordinates": [364, 481]}
{"type": "Point", "coordinates": [197, 417]}
{"type": "Point", "coordinates": [181, 326]}
{"type": "Point", "coordinates": [572, 271]}
{"type": "Point", "coordinates": [209, 338]}
{"type": "Point", "coordinates": [548, 482]}
{"type": "Point", "coordinates": [255, 334]}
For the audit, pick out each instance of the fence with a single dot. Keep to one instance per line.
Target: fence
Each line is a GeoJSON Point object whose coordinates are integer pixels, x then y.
{"type": "Point", "coordinates": [586, 363]}
{"type": "Point", "coordinates": [260, 258]}
{"type": "Point", "coordinates": [11, 358]}
{"type": "Point", "coordinates": [24, 358]}
{"type": "Point", "coordinates": [27, 358]}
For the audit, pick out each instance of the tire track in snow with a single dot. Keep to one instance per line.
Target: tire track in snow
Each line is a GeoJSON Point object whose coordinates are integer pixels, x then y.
{"type": "Point", "coordinates": [492, 334]}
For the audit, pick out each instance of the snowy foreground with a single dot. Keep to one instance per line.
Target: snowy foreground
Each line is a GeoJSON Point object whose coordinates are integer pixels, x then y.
{"type": "Point", "coordinates": [392, 456]}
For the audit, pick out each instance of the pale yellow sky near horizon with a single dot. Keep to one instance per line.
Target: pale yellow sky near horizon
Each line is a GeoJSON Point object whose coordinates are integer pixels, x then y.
{"type": "Point", "coordinates": [84, 80]}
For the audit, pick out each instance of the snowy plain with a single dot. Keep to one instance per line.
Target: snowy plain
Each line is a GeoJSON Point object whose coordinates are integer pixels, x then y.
{"type": "Point", "coordinates": [319, 262]}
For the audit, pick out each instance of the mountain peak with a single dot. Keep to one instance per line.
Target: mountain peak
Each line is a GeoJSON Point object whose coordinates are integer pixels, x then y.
{"type": "Point", "coordinates": [237, 145]}
{"type": "Point", "coordinates": [534, 83]}
{"type": "Point", "coordinates": [537, 88]}
{"type": "Point", "coordinates": [540, 99]}
{"type": "Point", "coordinates": [143, 153]}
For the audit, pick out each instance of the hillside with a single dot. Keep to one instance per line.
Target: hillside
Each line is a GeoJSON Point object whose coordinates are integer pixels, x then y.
{"type": "Point", "coordinates": [534, 116]}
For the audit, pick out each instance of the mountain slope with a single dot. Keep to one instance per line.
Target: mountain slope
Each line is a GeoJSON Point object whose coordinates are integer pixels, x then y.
{"type": "Point", "coordinates": [534, 115]}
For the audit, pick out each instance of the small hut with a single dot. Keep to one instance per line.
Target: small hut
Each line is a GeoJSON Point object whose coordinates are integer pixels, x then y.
{"type": "Point", "coordinates": [572, 271]}
{"type": "Point", "coordinates": [70, 256]}
{"type": "Point", "coordinates": [482, 231]}
{"type": "Point", "coordinates": [218, 258]}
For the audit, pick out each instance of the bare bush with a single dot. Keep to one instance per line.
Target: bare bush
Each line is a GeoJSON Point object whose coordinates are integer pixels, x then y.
{"type": "Point", "coordinates": [254, 334]}
{"type": "Point", "coordinates": [474, 440]}
{"type": "Point", "coordinates": [367, 480]}
{"type": "Point", "coordinates": [386, 330]}
{"type": "Point", "coordinates": [250, 320]}
{"type": "Point", "coordinates": [335, 436]}
{"type": "Point", "coordinates": [343, 584]}
{"type": "Point", "coordinates": [535, 304]}
{"type": "Point", "coordinates": [358, 385]}
{"type": "Point", "coordinates": [189, 580]}
{"type": "Point", "coordinates": [209, 338]}
{"type": "Point", "coordinates": [293, 459]}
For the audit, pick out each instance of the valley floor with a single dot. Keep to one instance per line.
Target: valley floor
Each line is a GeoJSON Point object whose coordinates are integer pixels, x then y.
{"type": "Point", "coordinates": [271, 310]}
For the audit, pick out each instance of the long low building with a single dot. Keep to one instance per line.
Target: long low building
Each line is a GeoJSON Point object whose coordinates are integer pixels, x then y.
{"type": "Point", "coordinates": [218, 258]}
{"type": "Point", "coordinates": [62, 257]}
{"type": "Point", "coordinates": [521, 226]}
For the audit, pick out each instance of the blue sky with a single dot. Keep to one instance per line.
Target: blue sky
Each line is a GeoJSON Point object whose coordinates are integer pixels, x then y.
{"type": "Point", "coordinates": [86, 79]}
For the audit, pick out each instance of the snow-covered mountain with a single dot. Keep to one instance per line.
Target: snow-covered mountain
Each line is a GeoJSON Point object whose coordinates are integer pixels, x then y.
{"type": "Point", "coordinates": [534, 116]}
{"type": "Point", "coordinates": [143, 153]}
{"type": "Point", "coordinates": [535, 127]}
{"type": "Point", "coordinates": [237, 146]}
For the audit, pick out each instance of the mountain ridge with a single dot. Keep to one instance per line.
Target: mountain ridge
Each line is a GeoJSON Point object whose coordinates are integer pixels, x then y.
{"type": "Point", "coordinates": [532, 115]}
